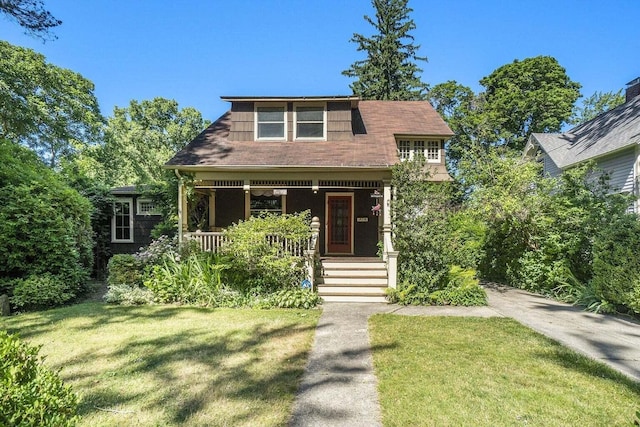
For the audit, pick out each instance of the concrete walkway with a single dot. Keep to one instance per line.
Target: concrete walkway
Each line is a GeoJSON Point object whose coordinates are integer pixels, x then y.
{"type": "Point", "coordinates": [339, 387]}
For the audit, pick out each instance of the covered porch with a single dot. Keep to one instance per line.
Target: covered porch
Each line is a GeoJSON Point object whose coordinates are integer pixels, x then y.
{"type": "Point", "coordinates": [350, 210]}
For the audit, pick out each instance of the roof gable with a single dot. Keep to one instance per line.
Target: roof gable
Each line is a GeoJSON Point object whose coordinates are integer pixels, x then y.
{"type": "Point", "coordinates": [612, 131]}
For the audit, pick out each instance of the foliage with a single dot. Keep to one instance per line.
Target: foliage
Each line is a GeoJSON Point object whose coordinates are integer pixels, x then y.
{"type": "Point", "coordinates": [128, 295]}
{"type": "Point", "coordinates": [125, 269]}
{"type": "Point", "coordinates": [39, 291]}
{"type": "Point", "coordinates": [532, 95]}
{"type": "Point", "coordinates": [30, 393]}
{"type": "Point", "coordinates": [257, 265]}
{"type": "Point", "coordinates": [389, 72]}
{"type": "Point", "coordinates": [419, 214]}
{"type": "Point", "coordinates": [50, 109]}
{"type": "Point", "coordinates": [141, 138]}
{"type": "Point", "coordinates": [44, 224]}
{"type": "Point", "coordinates": [32, 16]}
{"type": "Point", "coordinates": [194, 280]}
{"type": "Point", "coordinates": [596, 104]}
{"type": "Point", "coordinates": [294, 298]}
{"type": "Point", "coordinates": [616, 267]}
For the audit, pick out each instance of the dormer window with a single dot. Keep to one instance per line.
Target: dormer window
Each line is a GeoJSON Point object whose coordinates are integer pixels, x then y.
{"type": "Point", "coordinates": [271, 122]}
{"type": "Point", "coordinates": [310, 122]}
{"type": "Point", "coordinates": [430, 149]}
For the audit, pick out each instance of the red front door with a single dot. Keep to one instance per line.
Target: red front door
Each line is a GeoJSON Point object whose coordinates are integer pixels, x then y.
{"type": "Point", "coordinates": [339, 224]}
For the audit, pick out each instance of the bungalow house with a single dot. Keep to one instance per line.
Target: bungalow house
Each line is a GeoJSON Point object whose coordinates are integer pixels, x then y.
{"type": "Point", "coordinates": [611, 139]}
{"type": "Point", "coordinates": [331, 155]}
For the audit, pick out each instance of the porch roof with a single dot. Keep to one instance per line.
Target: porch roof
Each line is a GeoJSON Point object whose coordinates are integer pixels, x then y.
{"type": "Point", "coordinates": [372, 144]}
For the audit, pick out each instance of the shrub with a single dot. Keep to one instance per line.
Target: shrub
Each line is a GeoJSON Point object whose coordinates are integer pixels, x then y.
{"type": "Point", "coordinates": [258, 266]}
{"type": "Point", "coordinates": [616, 265]}
{"type": "Point", "coordinates": [125, 269]}
{"type": "Point", "coordinates": [128, 295]}
{"type": "Point", "coordinates": [44, 224]}
{"type": "Point", "coordinates": [40, 291]}
{"type": "Point", "coordinates": [295, 298]}
{"type": "Point", "coordinates": [194, 280]}
{"type": "Point", "coordinates": [31, 394]}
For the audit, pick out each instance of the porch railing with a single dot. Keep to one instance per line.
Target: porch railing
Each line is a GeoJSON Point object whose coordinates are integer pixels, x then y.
{"type": "Point", "coordinates": [213, 241]}
{"type": "Point", "coordinates": [390, 257]}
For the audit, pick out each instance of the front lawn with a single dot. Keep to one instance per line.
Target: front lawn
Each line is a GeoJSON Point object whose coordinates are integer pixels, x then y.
{"type": "Point", "coordinates": [448, 371]}
{"type": "Point", "coordinates": [167, 365]}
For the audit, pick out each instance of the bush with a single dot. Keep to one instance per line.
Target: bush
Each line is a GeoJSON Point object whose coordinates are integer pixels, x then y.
{"type": "Point", "coordinates": [31, 394]}
{"type": "Point", "coordinates": [41, 291]}
{"type": "Point", "coordinates": [44, 224]}
{"type": "Point", "coordinates": [194, 280]}
{"type": "Point", "coordinates": [616, 265]}
{"type": "Point", "coordinates": [128, 295]}
{"type": "Point", "coordinates": [255, 265]}
{"type": "Point", "coordinates": [125, 269]}
{"type": "Point", "coordinates": [295, 298]}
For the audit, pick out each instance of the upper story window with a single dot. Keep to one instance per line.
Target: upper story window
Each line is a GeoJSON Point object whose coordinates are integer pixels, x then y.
{"type": "Point", "coordinates": [310, 122]}
{"type": "Point", "coordinates": [122, 221]}
{"type": "Point", "coordinates": [271, 122]}
{"type": "Point", "coordinates": [430, 149]}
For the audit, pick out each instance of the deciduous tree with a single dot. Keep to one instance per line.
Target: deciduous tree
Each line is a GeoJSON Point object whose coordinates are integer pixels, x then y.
{"type": "Point", "coordinates": [50, 109]}
{"type": "Point", "coordinates": [390, 71]}
{"type": "Point", "coordinates": [596, 104]}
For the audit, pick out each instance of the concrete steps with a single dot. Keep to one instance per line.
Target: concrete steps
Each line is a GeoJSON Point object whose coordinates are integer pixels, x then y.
{"type": "Point", "coordinates": [353, 280]}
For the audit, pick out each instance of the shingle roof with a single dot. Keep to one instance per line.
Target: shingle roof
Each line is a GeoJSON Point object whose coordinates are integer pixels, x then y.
{"type": "Point", "coordinates": [373, 145]}
{"type": "Point", "coordinates": [609, 132]}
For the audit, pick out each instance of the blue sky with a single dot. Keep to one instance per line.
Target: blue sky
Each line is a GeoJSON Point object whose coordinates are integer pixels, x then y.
{"type": "Point", "coordinates": [195, 51]}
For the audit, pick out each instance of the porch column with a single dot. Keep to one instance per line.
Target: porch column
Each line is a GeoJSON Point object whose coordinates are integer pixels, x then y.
{"type": "Point", "coordinates": [183, 209]}
{"type": "Point", "coordinates": [212, 209]}
{"type": "Point", "coordinates": [386, 200]}
{"type": "Point", "coordinates": [389, 255]}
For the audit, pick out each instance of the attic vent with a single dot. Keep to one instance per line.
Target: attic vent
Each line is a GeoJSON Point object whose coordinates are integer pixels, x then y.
{"type": "Point", "coordinates": [281, 183]}
{"type": "Point", "coordinates": [219, 184]}
{"type": "Point", "coordinates": [351, 184]}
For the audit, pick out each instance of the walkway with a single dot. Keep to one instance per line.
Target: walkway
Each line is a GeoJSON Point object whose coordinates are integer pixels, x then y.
{"type": "Point", "coordinates": [339, 387]}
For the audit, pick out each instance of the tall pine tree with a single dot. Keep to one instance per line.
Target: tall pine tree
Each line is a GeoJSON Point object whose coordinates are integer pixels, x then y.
{"type": "Point", "coordinates": [390, 71]}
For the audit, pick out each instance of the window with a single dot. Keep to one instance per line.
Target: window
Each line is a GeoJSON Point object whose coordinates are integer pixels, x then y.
{"type": "Point", "coordinates": [404, 150]}
{"type": "Point", "coordinates": [265, 201]}
{"type": "Point", "coordinates": [430, 149]}
{"type": "Point", "coordinates": [146, 207]}
{"type": "Point", "coordinates": [271, 122]}
{"type": "Point", "coordinates": [122, 221]}
{"type": "Point", "coordinates": [310, 122]}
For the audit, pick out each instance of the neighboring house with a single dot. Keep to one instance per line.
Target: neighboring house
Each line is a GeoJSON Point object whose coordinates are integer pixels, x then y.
{"type": "Point", "coordinates": [134, 216]}
{"type": "Point", "coordinates": [611, 139]}
{"type": "Point", "coordinates": [331, 155]}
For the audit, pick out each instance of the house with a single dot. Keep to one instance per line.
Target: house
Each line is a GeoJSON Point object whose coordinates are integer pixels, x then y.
{"type": "Point", "coordinates": [611, 139]}
{"type": "Point", "coordinates": [331, 155]}
{"type": "Point", "coordinates": [134, 216]}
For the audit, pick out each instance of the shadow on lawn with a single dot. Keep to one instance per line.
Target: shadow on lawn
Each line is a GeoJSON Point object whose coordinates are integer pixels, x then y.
{"type": "Point", "coordinates": [179, 376]}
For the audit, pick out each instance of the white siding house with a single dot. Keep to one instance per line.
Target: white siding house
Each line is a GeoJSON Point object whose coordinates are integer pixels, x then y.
{"type": "Point", "coordinates": [611, 139]}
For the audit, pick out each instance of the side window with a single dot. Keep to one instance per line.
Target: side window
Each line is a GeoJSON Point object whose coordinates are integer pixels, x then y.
{"type": "Point", "coordinates": [122, 221]}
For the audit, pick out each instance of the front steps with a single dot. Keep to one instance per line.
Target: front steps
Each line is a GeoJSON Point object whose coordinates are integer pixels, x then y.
{"type": "Point", "coordinates": [353, 280]}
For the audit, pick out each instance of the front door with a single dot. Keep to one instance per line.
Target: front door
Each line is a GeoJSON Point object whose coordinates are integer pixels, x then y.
{"type": "Point", "coordinates": [340, 223]}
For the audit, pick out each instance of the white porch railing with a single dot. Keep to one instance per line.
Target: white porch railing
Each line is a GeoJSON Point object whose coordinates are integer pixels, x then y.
{"type": "Point", "coordinates": [210, 241]}
{"type": "Point", "coordinates": [390, 257]}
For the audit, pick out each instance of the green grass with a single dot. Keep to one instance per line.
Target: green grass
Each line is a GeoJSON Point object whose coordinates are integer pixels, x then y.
{"type": "Point", "coordinates": [446, 371]}
{"type": "Point", "coordinates": [167, 365]}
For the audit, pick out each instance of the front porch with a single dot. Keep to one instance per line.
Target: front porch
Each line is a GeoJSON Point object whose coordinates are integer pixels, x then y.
{"type": "Point", "coordinates": [351, 221]}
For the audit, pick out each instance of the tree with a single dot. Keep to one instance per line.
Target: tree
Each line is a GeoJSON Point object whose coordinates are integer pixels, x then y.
{"type": "Point", "coordinates": [532, 95]}
{"type": "Point", "coordinates": [390, 71]}
{"type": "Point", "coordinates": [141, 138]}
{"type": "Point", "coordinates": [31, 15]}
{"type": "Point", "coordinates": [50, 109]}
{"type": "Point", "coordinates": [596, 104]}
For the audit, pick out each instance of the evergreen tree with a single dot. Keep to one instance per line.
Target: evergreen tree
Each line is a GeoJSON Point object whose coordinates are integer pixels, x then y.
{"type": "Point", "coordinates": [390, 71]}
